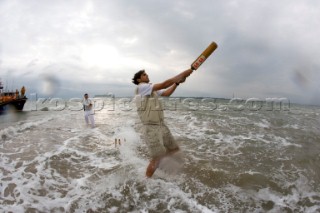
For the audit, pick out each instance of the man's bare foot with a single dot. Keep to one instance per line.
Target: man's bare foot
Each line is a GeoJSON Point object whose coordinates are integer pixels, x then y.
{"type": "Point", "coordinates": [153, 165]}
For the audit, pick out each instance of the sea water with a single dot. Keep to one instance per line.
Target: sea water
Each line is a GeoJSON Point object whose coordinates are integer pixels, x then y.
{"type": "Point", "coordinates": [234, 158]}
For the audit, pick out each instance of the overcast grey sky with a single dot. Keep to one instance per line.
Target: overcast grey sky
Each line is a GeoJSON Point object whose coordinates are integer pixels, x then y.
{"type": "Point", "coordinates": [266, 48]}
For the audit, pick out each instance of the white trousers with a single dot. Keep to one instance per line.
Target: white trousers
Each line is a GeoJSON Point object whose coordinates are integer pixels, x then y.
{"type": "Point", "coordinates": [88, 115]}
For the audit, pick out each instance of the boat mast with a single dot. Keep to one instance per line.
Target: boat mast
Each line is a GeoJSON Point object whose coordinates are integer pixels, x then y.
{"type": "Point", "coordinates": [1, 86]}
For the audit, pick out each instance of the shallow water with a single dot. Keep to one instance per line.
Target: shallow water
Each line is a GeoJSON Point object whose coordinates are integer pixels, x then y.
{"type": "Point", "coordinates": [231, 161]}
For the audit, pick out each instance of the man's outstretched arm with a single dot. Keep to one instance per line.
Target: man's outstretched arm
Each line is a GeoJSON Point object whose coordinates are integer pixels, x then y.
{"type": "Point", "coordinates": [170, 90]}
{"type": "Point", "coordinates": [169, 82]}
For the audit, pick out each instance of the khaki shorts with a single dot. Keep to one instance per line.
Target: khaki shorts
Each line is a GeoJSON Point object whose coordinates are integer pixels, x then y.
{"type": "Point", "coordinates": [159, 139]}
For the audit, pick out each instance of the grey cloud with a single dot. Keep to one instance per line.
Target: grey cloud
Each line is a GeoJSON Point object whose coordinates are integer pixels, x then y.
{"type": "Point", "coordinates": [262, 45]}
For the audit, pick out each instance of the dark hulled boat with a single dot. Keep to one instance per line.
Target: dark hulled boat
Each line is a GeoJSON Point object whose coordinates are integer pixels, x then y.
{"type": "Point", "coordinates": [12, 100]}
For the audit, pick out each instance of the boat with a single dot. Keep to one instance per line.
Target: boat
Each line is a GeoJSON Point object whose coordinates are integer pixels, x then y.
{"type": "Point", "coordinates": [13, 101]}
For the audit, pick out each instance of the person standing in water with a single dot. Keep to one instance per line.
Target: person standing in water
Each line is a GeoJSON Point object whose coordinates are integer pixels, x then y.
{"type": "Point", "coordinates": [88, 110]}
{"type": "Point", "coordinates": [159, 139]}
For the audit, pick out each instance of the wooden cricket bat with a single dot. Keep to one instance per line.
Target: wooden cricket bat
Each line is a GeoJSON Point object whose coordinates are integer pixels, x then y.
{"type": "Point", "coordinates": [204, 55]}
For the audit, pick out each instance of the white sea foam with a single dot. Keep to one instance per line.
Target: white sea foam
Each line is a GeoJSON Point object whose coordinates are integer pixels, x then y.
{"type": "Point", "coordinates": [21, 127]}
{"type": "Point", "coordinates": [231, 162]}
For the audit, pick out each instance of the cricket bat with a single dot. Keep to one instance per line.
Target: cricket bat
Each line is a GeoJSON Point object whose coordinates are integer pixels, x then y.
{"type": "Point", "coordinates": [203, 56]}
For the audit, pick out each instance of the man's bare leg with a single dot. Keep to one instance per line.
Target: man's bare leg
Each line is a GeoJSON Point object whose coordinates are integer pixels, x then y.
{"type": "Point", "coordinates": [153, 165]}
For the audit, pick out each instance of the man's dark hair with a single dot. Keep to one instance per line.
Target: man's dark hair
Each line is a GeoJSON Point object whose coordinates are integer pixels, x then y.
{"type": "Point", "coordinates": [137, 76]}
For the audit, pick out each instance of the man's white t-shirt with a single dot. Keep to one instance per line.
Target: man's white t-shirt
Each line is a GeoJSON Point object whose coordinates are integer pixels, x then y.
{"type": "Point", "coordinates": [145, 89]}
{"type": "Point", "coordinates": [86, 103]}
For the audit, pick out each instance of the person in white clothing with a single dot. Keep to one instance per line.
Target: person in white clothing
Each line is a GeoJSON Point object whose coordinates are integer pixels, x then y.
{"type": "Point", "coordinates": [88, 111]}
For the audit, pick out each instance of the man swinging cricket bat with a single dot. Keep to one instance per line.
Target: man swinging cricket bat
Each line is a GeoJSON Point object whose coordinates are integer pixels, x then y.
{"type": "Point", "coordinates": [159, 139]}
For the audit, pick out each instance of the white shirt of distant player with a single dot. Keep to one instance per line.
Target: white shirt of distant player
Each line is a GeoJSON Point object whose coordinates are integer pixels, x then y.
{"type": "Point", "coordinates": [86, 103]}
